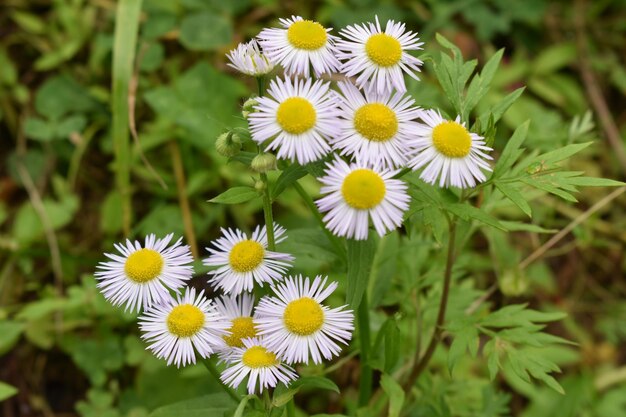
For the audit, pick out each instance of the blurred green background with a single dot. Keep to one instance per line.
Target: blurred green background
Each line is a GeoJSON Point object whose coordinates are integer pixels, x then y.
{"type": "Point", "coordinates": [66, 352]}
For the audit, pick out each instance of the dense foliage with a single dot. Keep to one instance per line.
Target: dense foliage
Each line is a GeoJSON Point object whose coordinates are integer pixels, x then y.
{"type": "Point", "coordinates": [535, 311]}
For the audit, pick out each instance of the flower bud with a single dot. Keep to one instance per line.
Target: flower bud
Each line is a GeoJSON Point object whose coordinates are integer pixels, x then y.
{"type": "Point", "coordinates": [263, 162]}
{"type": "Point", "coordinates": [513, 283]}
{"type": "Point", "coordinates": [260, 186]}
{"type": "Point", "coordinates": [228, 144]}
{"type": "Point", "coordinates": [248, 107]}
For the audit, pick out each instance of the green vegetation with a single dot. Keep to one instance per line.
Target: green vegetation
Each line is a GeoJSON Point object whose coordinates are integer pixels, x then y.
{"type": "Point", "coordinates": [109, 114]}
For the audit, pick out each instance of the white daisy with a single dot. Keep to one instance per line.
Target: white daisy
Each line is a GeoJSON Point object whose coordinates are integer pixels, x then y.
{"type": "Point", "coordinates": [298, 116]}
{"type": "Point", "coordinates": [356, 192]}
{"type": "Point", "coordinates": [449, 152]}
{"type": "Point", "coordinates": [377, 57]}
{"type": "Point", "coordinates": [141, 277]}
{"type": "Point", "coordinates": [178, 329]}
{"type": "Point", "coordinates": [248, 59]}
{"type": "Point", "coordinates": [256, 362]}
{"type": "Point", "coordinates": [297, 326]}
{"type": "Point", "coordinates": [238, 310]}
{"type": "Point", "coordinates": [376, 128]}
{"type": "Point", "coordinates": [242, 260]}
{"type": "Point", "coordinates": [299, 45]}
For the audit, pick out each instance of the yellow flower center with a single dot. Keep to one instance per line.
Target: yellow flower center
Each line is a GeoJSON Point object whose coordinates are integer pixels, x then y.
{"type": "Point", "coordinates": [452, 139]}
{"type": "Point", "coordinates": [376, 122]}
{"type": "Point", "coordinates": [307, 34]}
{"type": "Point", "coordinates": [242, 328]}
{"type": "Point", "coordinates": [303, 316]}
{"type": "Point", "coordinates": [246, 256]}
{"type": "Point", "coordinates": [363, 189]}
{"type": "Point", "coordinates": [185, 320]}
{"type": "Point", "coordinates": [143, 265]}
{"type": "Point", "coordinates": [383, 49]}
{"type": "Point", "coordinates": [296, 115]}
{"type": "Point", "coordinates": [258, 357]}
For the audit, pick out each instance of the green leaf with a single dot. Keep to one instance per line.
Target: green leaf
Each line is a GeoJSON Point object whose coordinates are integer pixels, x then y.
{"type": "Point", "coordinates": [515, 196]}
{"type": "Point", "coordinates": [560, 154]}
{"type": "Point", "coordinates": [39, 129]}
{"type": "Point", "coordinates": [10, 332]}
{"type": "Point", "coordinates": [205, 31]}
{"type": "Point", "coordinates": [6, 391]}
{"type": "Point", "coordinates": [315, 382]}
{"type": "Point", "coordinates": [242, 405]}
{"type": "Point", "coordinates": [208, 405]}
{"type": "Point", "coordinates": [525, 227]}
{"type": "Point", "coordinates": [290, 175]}
{"type": "Point", "coordinates": [468, 213]}
{"type": "Point", "coordinates": [360, 258]}
{"type": "Point", "coordinates": [464, 339]}
{"type": "Point", "coordinates": [235, 195]}
{"type": "Point", "coordinates": [392, 345]}
{"type": "Point", "coordinates": [507, 158]}
{"type": "Point", "coordinates": [395, 393]}
{"type": "Point", "coordinates": [594, 182]}
{"type": "Point", "coordinates": [497, 111]}
{"type": "Point", "coordinates": [61, 95]}
{"type": "Point", "coordinates": [480, 83]}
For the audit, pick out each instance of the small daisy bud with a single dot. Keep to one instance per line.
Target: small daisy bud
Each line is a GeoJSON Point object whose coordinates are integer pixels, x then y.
{"type": "Point", "coordinates": [228, 144]}
{"type": "Point", "coordinates": [263, 162]}
{"type": "Point", "coordinates": [260, 186]}
{"type": "Point", "coordinates": [513, 283]}
{"type": "Point", "coordinates": [248, 107]}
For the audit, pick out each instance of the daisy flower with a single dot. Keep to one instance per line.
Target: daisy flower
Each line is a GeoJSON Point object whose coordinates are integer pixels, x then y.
{"type": "Point", "coordinates": [242, 260]}
{"type": "Point", "coordinates": [299, 45]}
{"type": "Point", "coordinates": [379, 58]}
{"type": "Point", "coordinates": [376, 128]}
{"type": "Point", "coordinates": [297, 326]}
{"type": "Point", "coordinates": [238, 310]}
{"type": "Point", "coordinates": [255, 361]}
{"type": "Point", "coordinates": [299, 116]}
{"type": "Point", "coordinates": [178, 329]}
{"type": "Point", "coordinates": [248, 59]}
{"type": "Point", "coordinates": [449, 152]}
{"type": "Point", "coordinates": [357, 192]}
{"type": "Point", "coordinates": [140, 277]}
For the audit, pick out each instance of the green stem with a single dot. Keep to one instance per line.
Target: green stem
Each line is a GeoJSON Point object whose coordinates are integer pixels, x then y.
{"type": "Point", "coordinates": [291, 408]}
{"type": "Point", "coordinates": [365, 383]}
{"type": "Point", "coordinates": [210, 366]}
{"type": "Point", "coordinates": [420, 364]}
{"type": "Point", "coordinates": [267, 212]}
{"type": "Point", "coordinates": [336, 242]}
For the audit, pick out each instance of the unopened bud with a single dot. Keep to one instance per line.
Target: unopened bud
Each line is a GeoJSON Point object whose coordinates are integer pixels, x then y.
{"type": "Point", "coordinates": [248, 107]}
{"type": "Point", "coordinates": [263, 162]}
{"type": "Point", "coordinates": [513, 283]}
{"type": "Point", "coordinates": [228, 144]}
{"type": "Point", "coordinates": [260, 186]}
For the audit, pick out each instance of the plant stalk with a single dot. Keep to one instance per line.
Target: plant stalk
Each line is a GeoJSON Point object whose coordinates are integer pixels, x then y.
{"type": "Point", "coordinates": [210, 366]}
{"type": "Point", "coordinates": [183, 200]}
{"type": "Point", "coordinates": [420, 364]}
{"type": "Point", "coordinates": [365, 382]}
{"type": "Point", "coordinates": [267, 213]}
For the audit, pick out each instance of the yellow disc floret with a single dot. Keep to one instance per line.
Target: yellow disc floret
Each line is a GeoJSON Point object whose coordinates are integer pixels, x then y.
{"type": "Point", "coordinates": [258, 357]}
{"type": "Point", "coordinates": [303, 316]}
{"type": "Point", "coordinates": [307, 34]}
{"type": "Point", "coordinates": [363, 189]}
{"type": "Point", "coordinates": [383, 49]}
{"type": "Point", "coordinates": [452, 139]}
{"type": "Point", "coordinates": [185, 320]}
{"type": "Point", "coordinates": [242, 328]}
{"type": "Point", "coordinates": [246, 256]}
{"type": "Point", "coordinates": [296, 115]}
{"type": "Point", "coordinates": [143, 265]}
{"type": "Point", "coordinates": [376, 122]}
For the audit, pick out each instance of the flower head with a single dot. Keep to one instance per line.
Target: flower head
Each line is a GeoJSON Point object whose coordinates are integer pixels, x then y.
{"type": "Point", "coordinates": [357, 192]}
{"type": "Point", "coordinates": [376, 129]}
{"type": "Point", "coordinates": [242, 261]}
{"type": "Point", "coordinates": [299, 45]}
{"type": "Point", "coordinates": [248, 59]}
{"type": "Point", "coordinates": [178, 329]}
{"type": "Point", "coordinates": [449, 153]}
{"type": "Point", "coordinates": [141, 276]}
{"type": "Point", "coordinates": [238, 310]}
{"type": "Point", "coordinates": [378, 58]}
{"type": "Point", "coordinates": [297, 326]}
{"type": "Point", "coordinates": [255, 361]}
{"type": "Point", "coordinates": [298, 116]}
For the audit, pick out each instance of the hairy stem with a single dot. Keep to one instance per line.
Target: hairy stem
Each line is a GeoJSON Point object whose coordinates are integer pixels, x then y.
{"type": "Point", "coordinates": [365, 383]}
{"type": "Point", "coordinates": [210, 366]}
{"type": "Point", "coordinates": [183, 200]}
{"type": "Point", "coordinates": [420, 364]}
{"type": "Point", "coordinates": [267, 213]}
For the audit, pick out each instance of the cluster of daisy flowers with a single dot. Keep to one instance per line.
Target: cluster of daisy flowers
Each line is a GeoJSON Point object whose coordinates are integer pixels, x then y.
{"type": "Point", "coordinates": [367, 119]}
{"type": "Point", "coordinates": [260, 341]}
